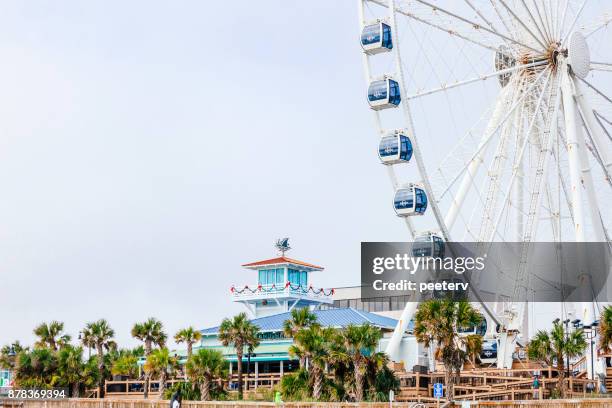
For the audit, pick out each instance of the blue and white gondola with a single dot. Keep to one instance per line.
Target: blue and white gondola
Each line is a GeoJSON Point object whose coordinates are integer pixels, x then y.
{"type": "Point", "coordinates": [376, 38]}
{"type": "Point", "coordinates": [383, 94]}
{"type": "Point", "coordinates": [395, 148]}
{"type": "Point", "coordinates": [410, 200]}
{"type": "Point", "coordinates": [489, 352]}
{"type": "Point", "coordinates": [428, 244]}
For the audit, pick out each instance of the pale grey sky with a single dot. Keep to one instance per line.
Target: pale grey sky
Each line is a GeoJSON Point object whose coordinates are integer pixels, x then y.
{"type": "Point", "coordinates": [149, 148]}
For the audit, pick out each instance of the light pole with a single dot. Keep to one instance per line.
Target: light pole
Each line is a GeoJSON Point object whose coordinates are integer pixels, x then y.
{"type": "Point", "coordinates": [590, 333]}
{"type": "Point", "coordinates": [567, 362]}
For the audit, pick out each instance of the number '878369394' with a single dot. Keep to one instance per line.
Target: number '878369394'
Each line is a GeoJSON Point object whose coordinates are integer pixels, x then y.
{"type": "Point", "coordinates": [37, 393]}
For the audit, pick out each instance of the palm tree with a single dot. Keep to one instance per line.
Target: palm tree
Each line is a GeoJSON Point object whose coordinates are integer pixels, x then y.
{"type": "Point", "coordinates": [556, 346]}
{"type": "Point", "coordinates": [203, 367]}
{"type": "Point", "coordinates": [605, 329]}
{"type": "Point", "coordinates": [437, 322]}
{"type": "Point", "coordinates": [35, 368]}
{"type": "Point", "coordinates": [301, 318]}
{"type": "Point", "coordinates": [240, 333]}
{"type": "Point", "coordinates": [189, 336]}
{"type": "Point", "coordinates": [101, 335]}
{"type": "Point", "coordinates": [312, 343]}
{"type": "Point", "coordinates": [359, 342]}
{"type": "Point", "coordinates": [149, 332]}
{"type": "Point", "coordinates": [125, 364]}
{"type": "Point", "coordinates": [71, 368]}
{"type": "Point", "coordinates": [51, 335]}
{"type": "Point", "coordinates": [158, 363]}
{"type": "Point", "coordinates": [86, 340]}
{"type": "Point", "coordinates": [473, 347]}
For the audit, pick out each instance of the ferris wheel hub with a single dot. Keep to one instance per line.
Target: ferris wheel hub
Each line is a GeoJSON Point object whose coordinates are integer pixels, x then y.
{"type": "Point", "coordinates": [579, 57]}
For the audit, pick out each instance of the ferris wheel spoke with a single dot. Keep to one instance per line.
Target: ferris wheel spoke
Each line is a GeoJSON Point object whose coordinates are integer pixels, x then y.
{"type": "Point", "coordinates": [448, 30]}
{"type": "Point", "coordinates": [520, 21]}
{"type": "Point", "coordinates": [544, 22]}
{"type": "Point", "coordinates": [601, 66]}
{"type": "Point", "coordinates": [600, 93]}
{"type": "Point", "coordinates": [537, 26]}
{"type": "Point", "coordinates": [599, 144]}
{"type": "Point", "coordinates": [479, 13]}
{"type": "Point", "coordinates": [600, 26]}
{"type": "Point", "coordinates": [560, 28]}
{"type": "Point", "coordinates": [520, 156]}
{"type": "Point", "coordinates": [599, 117]}
{"type": "Point", "coordinates": [501, 18]}
{"type": "Point", "coordinates": [476, 25]}
{"type": "Point", "coordinates": [474, 159]}
{"type": "Point", "coordinates": [574, 21]}
{"type": "Point", "coordinates": [446, 87]}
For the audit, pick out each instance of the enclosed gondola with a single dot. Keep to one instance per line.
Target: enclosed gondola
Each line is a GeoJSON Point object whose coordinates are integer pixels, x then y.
{"type": "Point", "coordinates": [410, 200]}
{"type": "Point", "coordinates": [384, 93]}
{"type": "Point", "coordinates": [428, 244]}
{"type": "Point", "coordinates": [488, 353]}
{"type": "Point", "coordinates": [395, 148]}
{"type": "Point", "coordinates": [376, 38]}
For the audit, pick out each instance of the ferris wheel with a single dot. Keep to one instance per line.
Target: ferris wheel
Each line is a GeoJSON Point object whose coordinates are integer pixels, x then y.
{"type": "Point", "coordinates": [494, 122]}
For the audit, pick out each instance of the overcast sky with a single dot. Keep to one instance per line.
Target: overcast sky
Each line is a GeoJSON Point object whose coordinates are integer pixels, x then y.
{"type": "Point", "coordinates": [149, 148]}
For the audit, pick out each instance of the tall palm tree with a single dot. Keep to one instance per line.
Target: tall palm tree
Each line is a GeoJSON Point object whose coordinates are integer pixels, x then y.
{"type": "Point", "coordinates": [101, 337]}
{"type": "Point", "coordinates": [51, 335]}
{"type": "Point", "coordinates": [360, 342]}
{"type": "Point", "coordinates": [189, 336]}
{"type": "Point", "coordinates": [71, 368]}
{"type": "Point", "coordinates": [605, 329]}
{"type": "Point", "coordinates": [555, 347]}
{"type": "Point", "coordinates": [158, 363]}
{"type": "Point", "coordinates": [473, 347]}
{"type": "Point", "coordinates": [149, 332]}
{"type": "Point", "coordinates": [312, 343]}
{"type": "Point", "coordinates": [203, 367]}
{"type": "Point", "coordinates": [240, 333]}
{"type": "Point", "coordinates": [437, 322]}
{"type": "Point", "coordinates": [301, 318]}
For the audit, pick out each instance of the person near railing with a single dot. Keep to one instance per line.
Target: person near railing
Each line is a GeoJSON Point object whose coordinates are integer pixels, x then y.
{"type": "Point", "coordinates": [175, 401]}
{"type": "Point", "coordinates": [536, 387]}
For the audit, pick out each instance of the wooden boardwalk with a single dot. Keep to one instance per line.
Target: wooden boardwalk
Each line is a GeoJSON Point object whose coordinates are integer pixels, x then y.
{"type": "Point", "coordinates": [131, 403]}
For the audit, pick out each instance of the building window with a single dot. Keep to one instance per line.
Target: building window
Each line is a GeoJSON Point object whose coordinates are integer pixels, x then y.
{"type": "Point", "coordinates": [271, 275]}
{"type": "Point", "coordinates": [298, 278]}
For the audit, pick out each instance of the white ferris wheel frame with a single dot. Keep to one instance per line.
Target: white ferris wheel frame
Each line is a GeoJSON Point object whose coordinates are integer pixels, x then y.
{"type": "Point", "coordinates": [565, 104]}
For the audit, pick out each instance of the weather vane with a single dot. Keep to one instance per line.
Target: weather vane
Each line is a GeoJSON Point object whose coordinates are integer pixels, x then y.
{"type": "Point", "coordinates": [282, 244]}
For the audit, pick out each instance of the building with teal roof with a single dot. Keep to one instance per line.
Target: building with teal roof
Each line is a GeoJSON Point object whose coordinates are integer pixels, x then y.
{"type": "Point", "coordinates": [283, 284]}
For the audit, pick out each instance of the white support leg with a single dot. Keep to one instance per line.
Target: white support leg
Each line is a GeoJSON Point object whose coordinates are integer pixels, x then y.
{"type": "Point", "coordinates": [472, 169]}
{"type": "Point", "coordinates": [505, 348]}
{"type": "Point", "coordinates": [573, 151]}
{"type": "Point", "coordinates": [580, 174]}
{"type": "Point", "coordinates": [601, 144]}
{"type": "Point", "coordinates": [393, 346]}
